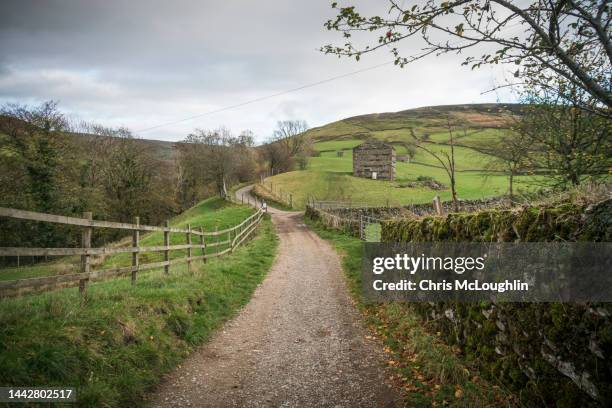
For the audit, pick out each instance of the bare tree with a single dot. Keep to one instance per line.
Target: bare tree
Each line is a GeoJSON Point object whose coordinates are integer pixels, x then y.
{"type": "Point", "coordinates": [543, 39]}
{"type": "Point", "coordinates": [293, 145]}
{"type": "Point", "coordinates": [292, 135]}
{"type": "Point", "coordinates": [215, 155]}
{"type": "Point", "coordinates": [511, 154]}
{"type": "Point", "coordinates": [132, 179]}
{"type": "Point", "coordinates": [246, 166]}
{"type": "Point", "coordinates": [446, 159]}
{"type": "Point", "coordinates": [570, 143]}
{"type": "Point", "coordinates": [277, 157]}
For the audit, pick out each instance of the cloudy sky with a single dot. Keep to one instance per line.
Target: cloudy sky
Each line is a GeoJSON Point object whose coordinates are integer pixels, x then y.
{"type": "Point", "coordinates": [143, 63]}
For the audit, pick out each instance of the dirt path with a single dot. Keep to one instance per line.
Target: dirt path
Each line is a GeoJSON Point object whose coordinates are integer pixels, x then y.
{"type": "Point", "coordinates": [298, 343]}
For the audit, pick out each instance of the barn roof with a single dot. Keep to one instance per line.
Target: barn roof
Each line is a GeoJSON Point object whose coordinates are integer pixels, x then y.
{"type": "Point", "coordinates": [374, 144]}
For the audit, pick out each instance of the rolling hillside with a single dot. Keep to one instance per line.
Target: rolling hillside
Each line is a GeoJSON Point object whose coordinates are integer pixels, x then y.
{"type": "Point", "coordinates": [161, 149]}
{"type": "Point", "coordinates": [328, 176]}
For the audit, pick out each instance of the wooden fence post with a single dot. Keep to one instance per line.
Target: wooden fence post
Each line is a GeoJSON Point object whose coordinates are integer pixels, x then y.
{"type": "Point", "coordinates": [189, 248]}
{"type": "Point", "coordinates": [167, 251]}
{"type": "Point", "coordinates": [85, 264]}
{"type": "Point", "coordinates": [235, 236]}
{"type": "Point", "coordinates": [135, 245]}
{"type": "Point", "coordinates": [202, 244]}
{"type": "Point", "coordinates": [438, 205]}
{"type": "Point", "coordinates": [290, 200]}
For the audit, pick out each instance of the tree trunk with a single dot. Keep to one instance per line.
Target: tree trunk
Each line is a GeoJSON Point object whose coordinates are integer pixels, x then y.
{"type": "Point", "coordinates": [574, 178]}
{"type": "Point", "coordinates": [454, 195]}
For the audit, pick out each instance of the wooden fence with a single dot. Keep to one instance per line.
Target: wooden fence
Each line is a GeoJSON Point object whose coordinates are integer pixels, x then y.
{"type": "Point", "coordinates": [277, 193]}
{"type": "Point", "coordinates": [225, 241]}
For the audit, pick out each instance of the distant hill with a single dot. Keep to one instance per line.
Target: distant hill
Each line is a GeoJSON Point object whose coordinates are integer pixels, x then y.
{"type": "Point", "coordinates": [430, 120]}
{"type": "Point", "coordinates": [161, 149]}
{"type": "Point", "coordinates": [419, 176]}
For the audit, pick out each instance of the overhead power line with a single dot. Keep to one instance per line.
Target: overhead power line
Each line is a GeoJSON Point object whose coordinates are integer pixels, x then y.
{"type": "Point", "coordinates": [299, 88]}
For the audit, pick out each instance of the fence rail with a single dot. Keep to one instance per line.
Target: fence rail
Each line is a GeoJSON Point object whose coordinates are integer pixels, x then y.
{"type": "Point", "coordinates": [283, 197]}
{"type": "Point", "coordinates": [85, 222]}
{"type": "Point", "coordinates": [234, 237]}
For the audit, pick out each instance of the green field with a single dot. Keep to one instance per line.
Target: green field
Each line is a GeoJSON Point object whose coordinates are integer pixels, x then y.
{"type": "Point", "coordinates": [329, 177]}
{"type": "Point", "coordinates": [118, 343]}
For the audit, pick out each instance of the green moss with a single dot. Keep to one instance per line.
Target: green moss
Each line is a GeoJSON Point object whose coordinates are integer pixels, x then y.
{"type": "Point", "coordinates": [566, 331]}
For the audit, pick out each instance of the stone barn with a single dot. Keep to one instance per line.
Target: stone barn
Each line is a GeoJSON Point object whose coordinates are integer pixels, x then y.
{"type": "Point", "coordinates": [374, 159]}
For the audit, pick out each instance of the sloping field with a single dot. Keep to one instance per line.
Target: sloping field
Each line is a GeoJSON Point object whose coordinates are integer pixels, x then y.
{"type": "Point", "coordinates": [329, 175]}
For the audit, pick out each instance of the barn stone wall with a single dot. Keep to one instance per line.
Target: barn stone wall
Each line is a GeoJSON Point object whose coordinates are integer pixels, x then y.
{"type": "Point", "coordinates": [376, 157]}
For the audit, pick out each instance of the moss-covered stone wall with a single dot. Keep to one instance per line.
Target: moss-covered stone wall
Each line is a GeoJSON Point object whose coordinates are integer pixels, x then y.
{"type": "Point", "coordinates": [548, 354]}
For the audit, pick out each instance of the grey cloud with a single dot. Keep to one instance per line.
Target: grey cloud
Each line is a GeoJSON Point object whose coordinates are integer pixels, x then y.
{"type": "Point", "coordinates": [139, 63]}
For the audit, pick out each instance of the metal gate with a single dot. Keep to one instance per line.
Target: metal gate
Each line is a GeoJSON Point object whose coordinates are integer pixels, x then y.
{"type": "Point", "coordinates": [369, 228]}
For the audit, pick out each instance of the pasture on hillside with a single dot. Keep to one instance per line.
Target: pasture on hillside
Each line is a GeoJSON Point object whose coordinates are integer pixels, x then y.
{"type": "Point", "coordinates": [329, 176]}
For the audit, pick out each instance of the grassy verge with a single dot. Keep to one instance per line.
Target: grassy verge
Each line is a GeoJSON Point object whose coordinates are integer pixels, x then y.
{"type": "Point", "coordinates": [118, 344]}
{"type": "Point", "coordinates": [428, 371]}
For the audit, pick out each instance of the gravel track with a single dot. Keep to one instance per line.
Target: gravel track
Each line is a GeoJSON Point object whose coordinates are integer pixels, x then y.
{"type": "Point", "coordinates": [298, 343]}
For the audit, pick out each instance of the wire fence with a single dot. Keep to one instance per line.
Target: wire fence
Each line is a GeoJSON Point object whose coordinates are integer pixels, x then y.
{"type": "Point", "coordinates": [334, 205]}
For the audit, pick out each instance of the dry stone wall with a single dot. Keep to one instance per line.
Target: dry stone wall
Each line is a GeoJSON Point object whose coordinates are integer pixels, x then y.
{"type": "Point", "coordinates": [550, 354]}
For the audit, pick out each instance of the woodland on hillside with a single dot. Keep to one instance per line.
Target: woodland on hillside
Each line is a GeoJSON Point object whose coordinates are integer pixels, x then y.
{"type": "Point", "coordinates": [52, 165]}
